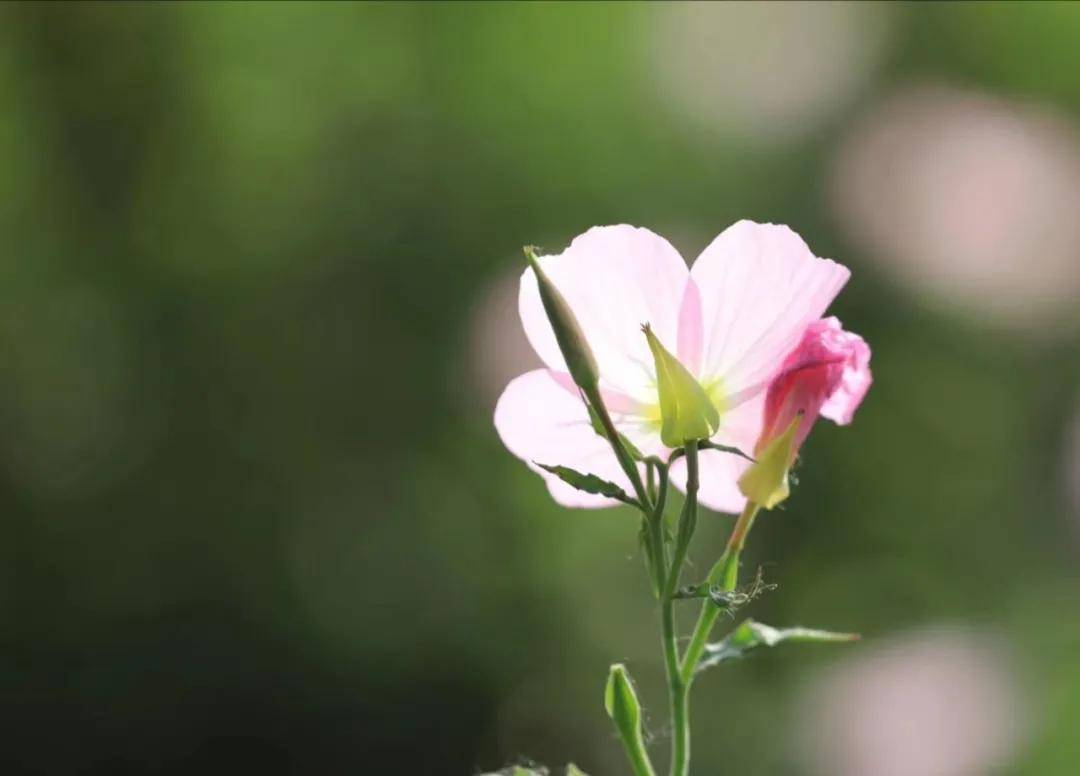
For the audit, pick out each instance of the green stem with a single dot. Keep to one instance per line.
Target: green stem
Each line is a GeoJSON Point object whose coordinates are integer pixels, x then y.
{"type": "Point", "coordinates": [638, 757]}
{"type": "Point", "coordinates": [612, 434]}
{"type": "Point", "coordinates": [687, 520]}
{"type": "Point", "coordinates": [726, 574]}
{"type": "Point", "coordinates": [678, 689]}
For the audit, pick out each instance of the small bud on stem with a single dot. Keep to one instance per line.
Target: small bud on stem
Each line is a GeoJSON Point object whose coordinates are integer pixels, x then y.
{"type": "Point", "coordinates": [575, 349]}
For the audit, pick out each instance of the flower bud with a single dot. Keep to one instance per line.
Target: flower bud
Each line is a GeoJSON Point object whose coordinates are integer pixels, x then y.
{"type": "Point", "coordinates": [766, 481]}
{"type": "Point", "coordinates": [686, 412]}
{"type": "Point", "coordinates": [622, 705]}
{"type": "Point", "coordinates": [572, 343]}
{"type": "Point", "coordinates": [828, 373]}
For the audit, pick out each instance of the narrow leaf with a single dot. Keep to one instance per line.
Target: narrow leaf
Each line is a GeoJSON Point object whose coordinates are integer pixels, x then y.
{"type": "Point", "coordinates": [589, 483]}
{"type": "Point", "coordinates": [705, 444]}
{"type": "Point", "coordinates": [750, 635]}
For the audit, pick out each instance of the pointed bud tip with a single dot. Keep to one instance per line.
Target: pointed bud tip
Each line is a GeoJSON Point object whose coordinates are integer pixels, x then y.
{"type": "Point", "coordinates": [766, 481]}
{"type": "Point", "coordinates": [686, 411]}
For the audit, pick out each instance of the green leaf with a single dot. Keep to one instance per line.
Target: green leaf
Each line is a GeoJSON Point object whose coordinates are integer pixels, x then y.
{"type": "Point", "coordinates": [750, 635]}
{"type": "Point", "coordinates": [589, 483]}
{"type": "Point", "coordinates": [705, 444]}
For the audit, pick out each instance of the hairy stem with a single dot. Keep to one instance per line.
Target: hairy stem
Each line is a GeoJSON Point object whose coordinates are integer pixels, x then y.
{"type": "Point", "coordinates": [726, 574]}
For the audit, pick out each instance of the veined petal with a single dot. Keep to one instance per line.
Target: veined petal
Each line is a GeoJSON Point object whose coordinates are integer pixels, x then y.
{"type": "Point", "coordinates": [689, 344]}
{"type": "Point", "coordinates": [719, 474]}
{"type": "Point", "coordinates": [614, 278]}
{"type": "Point", "coordinates": [541, 421]}
{"type": "Point", "coordinates": [760, 287]}
{"type": "Point", "coordinates": [841, 405]}
{"type": "Point", "coordinates": [720, 471]}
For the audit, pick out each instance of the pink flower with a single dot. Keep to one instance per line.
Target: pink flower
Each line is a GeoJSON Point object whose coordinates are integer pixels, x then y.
{"type": "Point", "coordinates": [732, 321]}
{"type": "Point", "coordinates": [827, 374]}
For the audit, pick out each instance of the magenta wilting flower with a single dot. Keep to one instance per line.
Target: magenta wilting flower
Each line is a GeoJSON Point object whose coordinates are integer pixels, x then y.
{"type": "Point", "coordinates": [734, 321]}
{"type": "Point", "coordinates": [827, 374]}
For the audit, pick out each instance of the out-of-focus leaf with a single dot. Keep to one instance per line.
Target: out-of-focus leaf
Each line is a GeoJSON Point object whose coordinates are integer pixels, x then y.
{"type": "Point", "coordinates": [750, 635]}
{"type": "Point", "coordinates": [589, 483]}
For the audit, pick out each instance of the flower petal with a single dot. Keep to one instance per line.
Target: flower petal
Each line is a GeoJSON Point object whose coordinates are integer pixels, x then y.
{"type": "Point", "coordinates": [719, 474]}
{"type": "Point", "coordinates": [689, 346]}
{"type": "Point", "coordinates": [541, 421]}
{"type": "Point", "coordinates": [760, 287]}
{"type": "Point", "coordinates": [615, 278]}
{"type": "Point", "coordinates": [718, 471]}
{"type": "Point", "coordinates": [841, 405]}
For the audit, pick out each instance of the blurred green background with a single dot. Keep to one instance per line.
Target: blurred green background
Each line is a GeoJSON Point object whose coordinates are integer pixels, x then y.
{"type": "Point", "coordinates": [257, 302]}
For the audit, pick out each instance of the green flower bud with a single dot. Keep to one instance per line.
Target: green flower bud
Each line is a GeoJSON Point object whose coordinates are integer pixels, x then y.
{"type": "Point", "coordinates": [766, 481]}
{"type": "Point", "coordinates": [572, 343]}
{"type": "Point", "coordinates": [622, 706]}
{"type": "Point", "coordinates": [686, 412]}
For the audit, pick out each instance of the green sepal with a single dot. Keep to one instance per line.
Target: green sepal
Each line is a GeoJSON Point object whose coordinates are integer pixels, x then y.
{"type": "Point", "coordinates": [766, 481]}
{"type": "Point", "coordinates": [589, 483]}
{"type": "Point", "coordinates": [686, 412]}
{"type": "Point", "coordinates": [575, 349]}
{"type": "Point", "coordinates": [750, 635]}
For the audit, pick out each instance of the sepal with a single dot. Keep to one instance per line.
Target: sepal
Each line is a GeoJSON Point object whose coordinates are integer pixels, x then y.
{"type": "Point", "coordinates": [686, 412]}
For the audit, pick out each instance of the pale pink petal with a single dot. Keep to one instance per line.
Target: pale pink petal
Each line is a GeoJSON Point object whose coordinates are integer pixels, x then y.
{"type": "Point", "coordinates": [760, 287]}
{"type": "Point", "coordinates": [719, 475]}
{"type": "Point", "coordinates": [690, 333]}
{"type": "Point", "coordinates": [615, 278]}
{"type": "Point", "coordinates": [719, 472]}
{"type": "Point", "coordinates": [540, 421]}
